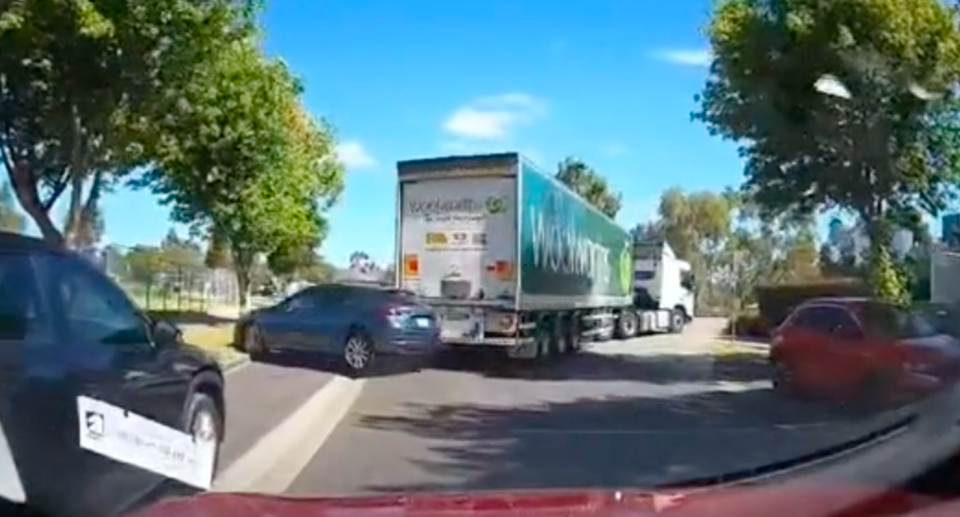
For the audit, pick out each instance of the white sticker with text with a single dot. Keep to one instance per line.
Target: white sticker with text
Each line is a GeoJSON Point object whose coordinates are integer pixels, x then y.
{"type": "Point", "coordinates": [129, 438]}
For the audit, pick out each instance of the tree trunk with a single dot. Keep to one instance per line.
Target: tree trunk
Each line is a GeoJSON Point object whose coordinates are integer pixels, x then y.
{"type": "Point", "coordinates": [72, 226]}
{"type": "Point", "coordinates": [242, 266]}
{"type": "Point", "coordinates": [25, 188]}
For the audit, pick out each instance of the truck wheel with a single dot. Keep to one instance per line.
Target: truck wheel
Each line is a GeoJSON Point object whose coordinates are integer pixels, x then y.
{"type": "Point", "coordinates": [574, 336]}
{"type": "Point", "coordinates": [558, 339]}
{"type": "Point", "coordinates": [626, 325]}
{"type": "Point", "coordinates": [542, 339]}
{"type": "Point", "coordinates": [677, 321]}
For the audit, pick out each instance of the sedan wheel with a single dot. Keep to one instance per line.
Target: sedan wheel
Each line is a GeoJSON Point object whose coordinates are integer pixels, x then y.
{"type": "Point", "coordinates": [358, 352]}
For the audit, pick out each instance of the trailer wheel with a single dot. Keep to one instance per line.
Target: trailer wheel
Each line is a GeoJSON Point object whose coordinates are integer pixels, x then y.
{"type": "Point", "coordinates": [626, 326]}
{"type": "Point", "coordinates": [574, 333]}
{"type": "Point", "coordinates": [558, 338]}
{"type": "Point", "coordinates": [543, 338]}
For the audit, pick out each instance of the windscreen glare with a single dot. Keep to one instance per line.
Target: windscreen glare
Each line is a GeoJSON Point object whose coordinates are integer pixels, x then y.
{"type": "Point", "coordinates": [352, 248]}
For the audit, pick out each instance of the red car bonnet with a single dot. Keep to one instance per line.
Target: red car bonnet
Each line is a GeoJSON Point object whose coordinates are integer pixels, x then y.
{"type": "Point", "coordinates": [786, 500]}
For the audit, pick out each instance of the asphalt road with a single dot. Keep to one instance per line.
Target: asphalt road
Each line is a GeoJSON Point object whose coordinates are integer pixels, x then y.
{"type": "Point", "coordinates": [261, 395]}
{"type": "Point", "coordinates": [638, 413]}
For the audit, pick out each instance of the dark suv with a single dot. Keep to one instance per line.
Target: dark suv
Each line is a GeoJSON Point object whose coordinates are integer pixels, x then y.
{"type": "Point", "coordinates": [68, 334]}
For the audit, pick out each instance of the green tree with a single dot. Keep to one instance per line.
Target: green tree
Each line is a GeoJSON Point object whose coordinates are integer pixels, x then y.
{"type": "Point", "coordinates": [83, 81]}
{"type": "Point", "coordinates": [244, 160]}
{"type": "Point", "coordinates": [145, 263]}
{"type": "Point", "coordinates": [319, 271]}
{"type": "Point", "coordinates": [181, 254]}
{"type": "Point", "coordinates": [218, 252]}
{"type": "Point", "coordinates": [291, 258]}
{"type": "Point", "coordinates": [11, 220]}
{"type": "Point", "coordinates": [879, 144]}
{"type": "Point", "coordinates": [590, 184]}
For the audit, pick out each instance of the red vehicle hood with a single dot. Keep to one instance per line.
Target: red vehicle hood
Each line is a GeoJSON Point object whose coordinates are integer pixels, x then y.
{"type": "Point", "coordinates": [782, 501]}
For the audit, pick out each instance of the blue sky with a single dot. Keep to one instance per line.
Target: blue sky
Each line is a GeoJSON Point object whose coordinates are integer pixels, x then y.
{"type": "Point", "coordinates": [610, 81]}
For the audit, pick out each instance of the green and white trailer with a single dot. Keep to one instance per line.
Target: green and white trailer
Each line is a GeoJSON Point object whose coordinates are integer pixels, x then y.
{"type": "Point", "coordinates": [510, 257]}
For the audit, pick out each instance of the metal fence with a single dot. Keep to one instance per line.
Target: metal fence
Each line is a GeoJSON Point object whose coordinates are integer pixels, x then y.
{"type": "Point", "coordinates": [945, 276]}
{"type": "Point", "coordinates": [180, 289]}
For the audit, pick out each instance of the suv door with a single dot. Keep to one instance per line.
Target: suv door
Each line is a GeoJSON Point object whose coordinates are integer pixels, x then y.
{"type": "Point", "coordinates": [329, 312]}
{"type": "Point", "coordinates": [281, 325]}
{"type": "Point", "coordinates": [110, 357]}
{"type": "Point", "coordinates": [802, 341]}
{"type": "Point", "coordinates": [843, 348]}
{"type": "Point", "coordinates": [37, 404]}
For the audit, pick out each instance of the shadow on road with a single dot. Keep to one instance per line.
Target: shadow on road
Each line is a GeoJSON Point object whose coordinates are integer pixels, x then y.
{"type": "Point", "coordinates": [385, 366]}
{"type": "Point", "coordinates": [188, 317]}
{"type": "Point", "coordinates": [611, 442]}
{"type": "Point", "coordinates": [662, 368]}
{"type": "Point", "coordinates": [741, 367]}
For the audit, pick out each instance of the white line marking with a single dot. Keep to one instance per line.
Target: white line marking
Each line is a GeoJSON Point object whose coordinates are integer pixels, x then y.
{"type": "Point", "coordinates": [239, 367]}
{"type": "Point", "coordinates": [272, 464]}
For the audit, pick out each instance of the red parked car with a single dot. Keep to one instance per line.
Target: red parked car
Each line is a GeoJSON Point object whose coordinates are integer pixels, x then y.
{"type": "Point", "coordinates": [863, 349]}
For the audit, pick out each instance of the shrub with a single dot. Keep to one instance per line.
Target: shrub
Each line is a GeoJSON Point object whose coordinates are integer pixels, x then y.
{"type": "Point", "coordinates": [749, 325]}
{"type": "Point", "coordinates": [776, 301]}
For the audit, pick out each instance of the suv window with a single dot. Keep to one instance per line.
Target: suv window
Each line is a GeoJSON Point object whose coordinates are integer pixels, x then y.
{"type": "Point", "coordinates": [897, 323]}
{"type": "Point", "coordinates": [316, 296]}
{"type": "Point", "coordinates": [22, 314]}
{"type": "Point", "coordinates": [827, 320]}
{"type": "Point", "coordinates": [839, 322]}
{"type": "Point", "coordinates": [93, 307]}
{"type": "Point", "coordinates": [301, 300]}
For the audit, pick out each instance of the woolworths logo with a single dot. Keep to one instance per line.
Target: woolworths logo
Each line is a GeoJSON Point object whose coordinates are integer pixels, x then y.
{"type": "Point", "coordinates": [496, 205]}
{"type": "Point", "coordinates": [465, 205]}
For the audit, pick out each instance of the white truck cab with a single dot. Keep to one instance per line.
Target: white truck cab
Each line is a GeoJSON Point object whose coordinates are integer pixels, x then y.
{"type": "Point", "coordinates": [661, 280]}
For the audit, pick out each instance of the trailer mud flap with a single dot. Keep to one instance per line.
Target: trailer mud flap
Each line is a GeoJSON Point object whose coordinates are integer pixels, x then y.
{"type": "Point", "coordinates": [459, 324]}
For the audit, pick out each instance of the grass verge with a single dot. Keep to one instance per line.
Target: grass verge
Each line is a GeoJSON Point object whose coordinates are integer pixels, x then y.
{"type": "Point", "coordinates": [726, 348]}
{"type": "Point", "coordinates": [217, 340]}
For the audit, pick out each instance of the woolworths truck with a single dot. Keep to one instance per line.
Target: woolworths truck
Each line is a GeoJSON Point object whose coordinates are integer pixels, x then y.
{"type": "Point", "coordinates": [509, 257]}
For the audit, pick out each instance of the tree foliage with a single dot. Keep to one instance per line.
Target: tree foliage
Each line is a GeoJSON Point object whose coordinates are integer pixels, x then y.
{"type": "Point", "coordinates": [730, 246]}
{"type": "Point", "coordinates": [590, 184]}
{"type": "Point", "coordinates": [218, 252]}
{"type": "Point", "coordinates": [81, 83]}
{"type": "Point", "coordinates": [11, 219]}
{"type": "Point", "coordinates": [880, 146]}
{"type": "Point", "coordinates": [242, 157]}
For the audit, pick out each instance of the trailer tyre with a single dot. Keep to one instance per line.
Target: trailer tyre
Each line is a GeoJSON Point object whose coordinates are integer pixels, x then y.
{"type": "Point", "coordinates": [678, 319]}
{"type": "Point", "coordinates": [574, 335]}
{"type": "Point", "coordinates": [543, 337]}
{"type": "Point", "coordinates": [626, 325]}
{"type": "Point", "coordinates": [558, 339]}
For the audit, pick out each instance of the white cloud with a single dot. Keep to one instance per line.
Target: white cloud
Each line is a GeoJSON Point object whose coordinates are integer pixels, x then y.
{"type": "Point", "coordinates": [686, 57]}
{"type": "Point", "coordinates": [494, 118]}
{"type": "Point", "coordinates": [354, 155]}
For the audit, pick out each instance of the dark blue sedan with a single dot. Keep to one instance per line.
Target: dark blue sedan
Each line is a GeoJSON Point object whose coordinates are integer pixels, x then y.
{"type": "Point", "coordinates": [355, 323]}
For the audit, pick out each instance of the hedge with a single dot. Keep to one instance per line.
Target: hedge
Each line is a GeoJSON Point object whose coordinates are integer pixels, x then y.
{"type": "Point", "coordinates": [776, 301]}
{"type": "Point", "coordinates": [748, 325]}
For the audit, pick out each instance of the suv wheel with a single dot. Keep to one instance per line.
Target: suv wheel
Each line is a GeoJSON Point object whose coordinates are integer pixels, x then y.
{"type": "Point", "coordinates": [205, 423]}
{"type": "Point", "coordinates": [784, 377]}
{"type": "Point", "coordinates": [358, 352]}
{"type": "Point", "coordinates": [253, 343]}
